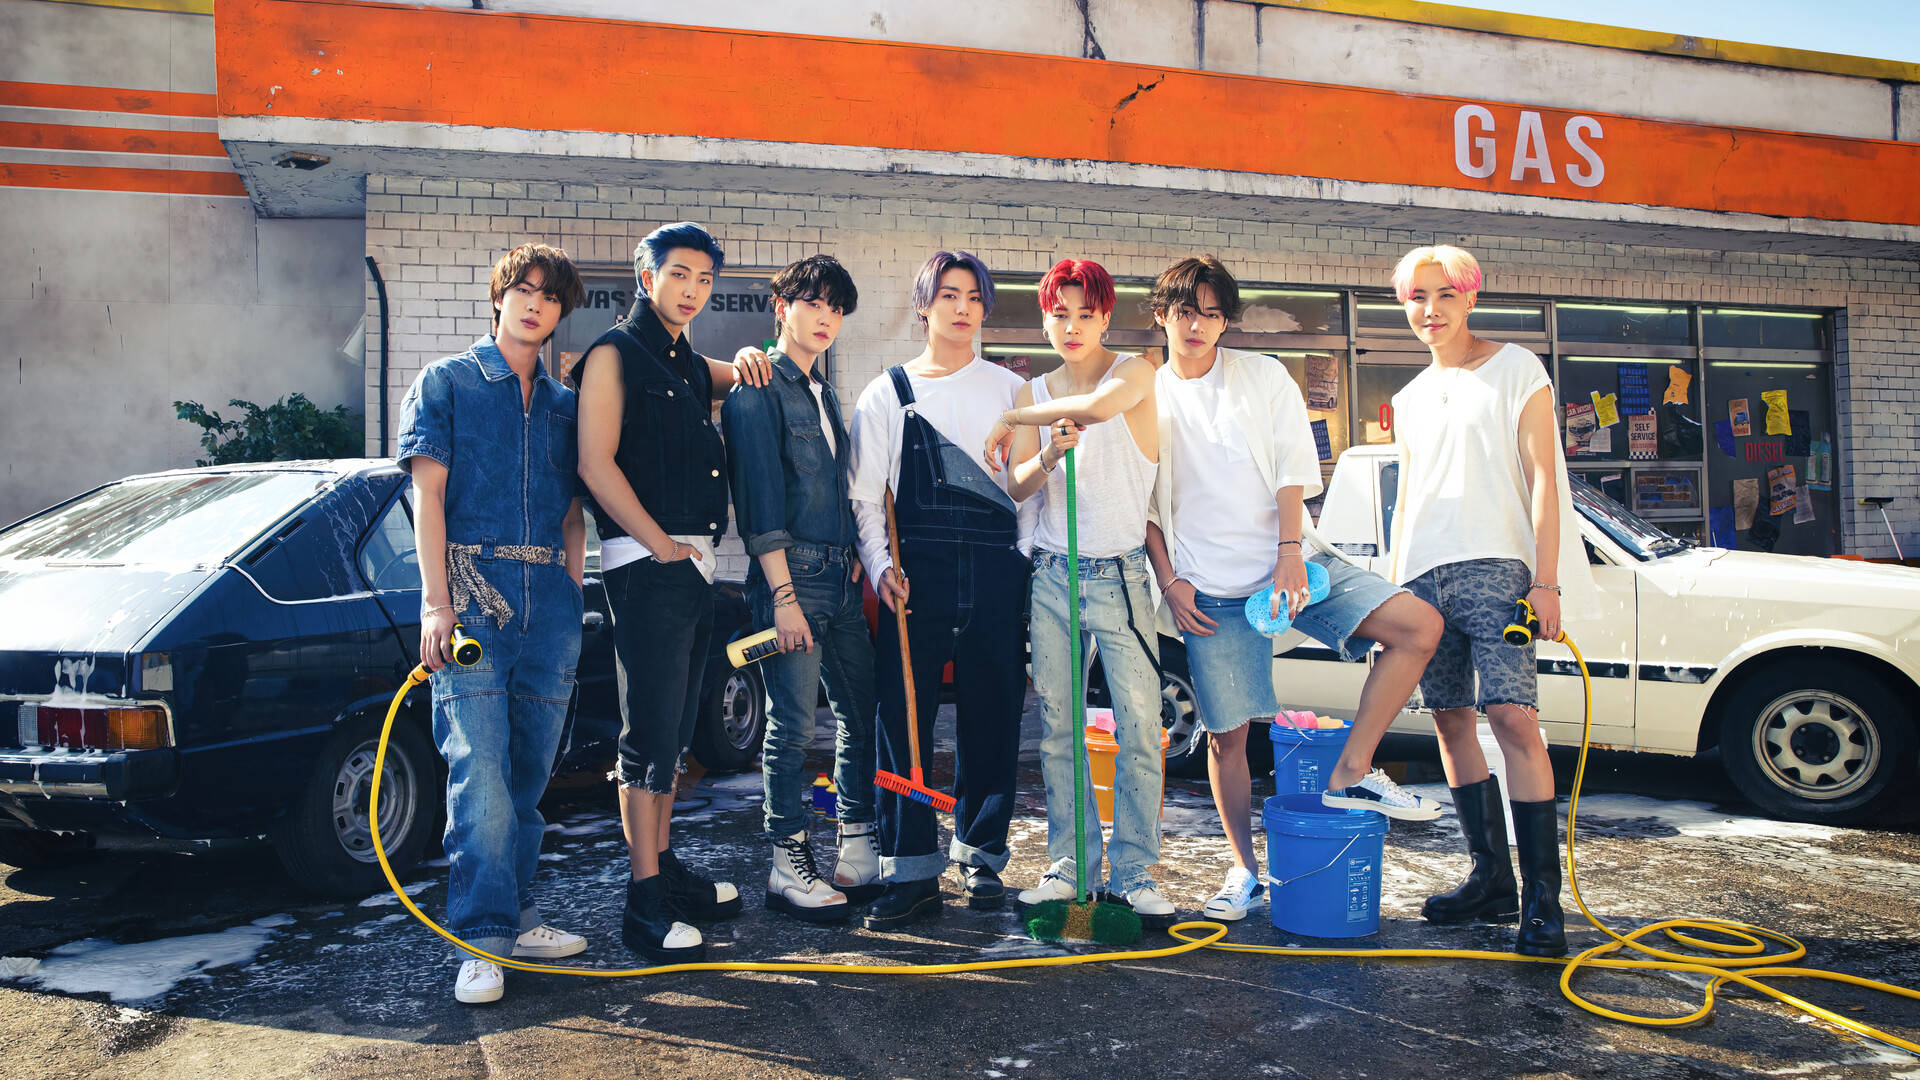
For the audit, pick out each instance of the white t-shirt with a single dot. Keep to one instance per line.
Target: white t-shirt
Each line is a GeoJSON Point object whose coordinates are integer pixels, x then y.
{"type": "Point", "coordinates": [1113, 482]}
{"type": "Point", "coordinates": [621, 550]}
{"type": "Point", "coordinates": [961, 406]}
{"type": "Point", "coordinates": [1466, 492]}
{"type": "Point", "coordinates": [826, 424]}
{"type": "Point", "coordinates": [1227, 543]}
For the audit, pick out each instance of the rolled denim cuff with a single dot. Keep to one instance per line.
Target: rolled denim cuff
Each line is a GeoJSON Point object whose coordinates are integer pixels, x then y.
{"type": "Point", "coordinates": [530, 916]}
{"type": "Point", "coordinates": [425, 449]}
{"type": "Point", "coordinates": [967, 855]}
{"type": "Point", "coordinates": [488, 939]}
{"type": "Point", "coordinates": [760, 543]}
{"type": "Point", "coordinates": [912, 867]}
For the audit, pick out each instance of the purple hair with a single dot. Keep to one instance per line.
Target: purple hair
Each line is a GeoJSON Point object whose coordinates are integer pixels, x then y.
{"type": "Point", "coordinates": [927, 284]}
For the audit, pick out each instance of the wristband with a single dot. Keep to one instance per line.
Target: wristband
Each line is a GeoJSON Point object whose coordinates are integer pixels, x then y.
{"type": "Point", "coordinates": [1285, 543]}
{"type": "Point", "coordinates": [1555, 589]}
{"type": "Point", "coordinates": [1169, 585]}
{"type": "Point", "coordinates": [431, 610]}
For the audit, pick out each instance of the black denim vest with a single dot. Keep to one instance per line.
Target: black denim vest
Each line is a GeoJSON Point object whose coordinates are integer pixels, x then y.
{"type": "Point", "coordinates": [670, 449]}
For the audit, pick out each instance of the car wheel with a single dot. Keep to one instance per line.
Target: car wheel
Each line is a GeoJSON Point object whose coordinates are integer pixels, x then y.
{"type": "Point", "coordinates": [324, 841]}
{"type": "Point", "coordinates": [34, 849]}
{"type": "Point", "coordinates": [1826, 744]}
{"type": "Point", "coordinates": [733, 720]}
{"type": "Point", "coordinates": [1180, 715]}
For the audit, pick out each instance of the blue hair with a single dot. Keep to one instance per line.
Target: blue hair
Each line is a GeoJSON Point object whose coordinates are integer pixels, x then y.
{"type": "Point", "coordinates": [927, 284]}
{"type": "Point", "coordinates": [651, 252]}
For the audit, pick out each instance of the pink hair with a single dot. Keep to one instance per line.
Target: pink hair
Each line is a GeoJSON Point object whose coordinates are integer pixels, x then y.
{"type": "Point", "coordinates": [1092, 278]}
{"type": "Point", "coordinates": [1460, 267]}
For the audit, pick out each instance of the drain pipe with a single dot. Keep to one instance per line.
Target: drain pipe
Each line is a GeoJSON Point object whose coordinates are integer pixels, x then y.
{"type": "Point", "coordinates": [380, 288]}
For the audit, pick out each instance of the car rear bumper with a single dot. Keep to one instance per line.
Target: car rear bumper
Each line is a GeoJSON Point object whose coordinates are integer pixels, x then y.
{"type": "Point", "coordinates": [121, 776]}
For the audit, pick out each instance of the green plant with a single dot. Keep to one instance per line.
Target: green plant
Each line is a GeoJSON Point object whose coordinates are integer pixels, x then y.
{"type": "Point", "coordinates": [290, 429]}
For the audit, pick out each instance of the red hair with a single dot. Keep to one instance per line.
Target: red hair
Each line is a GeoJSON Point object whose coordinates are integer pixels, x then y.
{"type": "Point", "coordinates": [1092, 278]}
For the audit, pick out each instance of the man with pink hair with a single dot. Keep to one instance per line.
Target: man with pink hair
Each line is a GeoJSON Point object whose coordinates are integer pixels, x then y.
{"type": "Point", "coordinates": [1484, 519]}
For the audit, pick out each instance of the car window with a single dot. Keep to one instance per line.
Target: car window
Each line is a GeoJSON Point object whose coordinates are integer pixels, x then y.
{"type": "Point", "coordinates": [192, 518]}
{"type": "Point", "coordinates": [593, 543]}
{"type": "Point", "coordinates": [388, 559]}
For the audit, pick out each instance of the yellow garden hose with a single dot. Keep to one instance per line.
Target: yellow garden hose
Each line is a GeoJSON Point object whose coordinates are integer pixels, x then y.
{"type": "Point", "coordinates": [1741, 956]}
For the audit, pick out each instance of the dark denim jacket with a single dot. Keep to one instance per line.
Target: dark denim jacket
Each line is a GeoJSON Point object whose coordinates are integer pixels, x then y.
{"type": "Point", "coordinates": [511, 472]}
{"type": "Point", "coordinates": [787, 486]}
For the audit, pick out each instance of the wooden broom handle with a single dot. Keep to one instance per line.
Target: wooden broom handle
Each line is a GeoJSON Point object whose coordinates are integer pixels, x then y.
{"type": "Point", "coordinates": [906, 653]}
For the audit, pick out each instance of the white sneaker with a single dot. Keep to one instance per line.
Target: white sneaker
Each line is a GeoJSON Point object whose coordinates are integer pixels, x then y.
{"type": "Point", "coordinates": [479, 982]}
{"type": "Point", "coordinates": [1230, 904]}
{"type": "Point", "coordinates": [1377, 792]}
{"type": "Point", "coordinates": [857, 871]}
{"type": "Point", "coordinates": [1051, 887]}
{"type": "Point", "coordinates": [796, 887]}
{"type": "Point", "coordinates": [543, 942]}
{"type": "Point", "coordinates": [1146, 902]}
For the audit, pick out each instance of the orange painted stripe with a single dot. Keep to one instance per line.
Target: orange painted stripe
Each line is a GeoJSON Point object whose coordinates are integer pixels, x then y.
{"type": "Point", "coordinates": [454, 66]}
{"type": "Point", "coordinates": [89, 178]}
{"type": "Point", "coordinates": [105, 99]}
{"type": "Point", "coordinates": [111, 140]}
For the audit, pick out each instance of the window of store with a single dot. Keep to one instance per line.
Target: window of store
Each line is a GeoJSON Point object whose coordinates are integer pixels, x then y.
{"type": "Point", "coordinates": [739, 313]}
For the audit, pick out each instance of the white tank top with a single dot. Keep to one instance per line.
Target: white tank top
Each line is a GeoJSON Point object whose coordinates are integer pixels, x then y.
{"type": "Point", "coordinates": [1113, 482]}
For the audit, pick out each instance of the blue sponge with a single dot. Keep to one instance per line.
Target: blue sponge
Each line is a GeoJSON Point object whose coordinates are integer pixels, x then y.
{"type": "Point", "coordinates": [1260, 603]}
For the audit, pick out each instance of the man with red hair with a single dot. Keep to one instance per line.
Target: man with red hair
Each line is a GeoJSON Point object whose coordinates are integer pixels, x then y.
{"type": "Point", "coordinates": [1103, 403]}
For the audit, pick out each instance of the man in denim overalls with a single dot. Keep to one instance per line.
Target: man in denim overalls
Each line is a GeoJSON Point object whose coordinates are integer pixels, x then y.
{"type": "Point", "coordinates": [488, 437]}
{"type": "Point", "coordinates": [958, 531]}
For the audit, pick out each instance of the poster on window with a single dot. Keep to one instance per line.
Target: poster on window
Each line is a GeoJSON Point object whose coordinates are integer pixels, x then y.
{"type": "Point", "coordinates": [1580, 428]}
{"type": "Point", "coordinates": [1323, 383]}
{"type": "Point", "coordinates": [1741, 417]}
{"type": "Point", "coordinates": [1781, 487]}
{"type": "Point", "coordinates": [1643, 437]}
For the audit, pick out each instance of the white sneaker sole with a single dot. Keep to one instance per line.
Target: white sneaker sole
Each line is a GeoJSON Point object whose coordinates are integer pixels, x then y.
{"type": "Point", "coordinates": [1398, 813]}
{"type": "Point", "coordinates": [1224, 913]}
{"type": "Point", "coordinates": [551, 952]}
{"type": "Point", "coordinates": [484, 995]}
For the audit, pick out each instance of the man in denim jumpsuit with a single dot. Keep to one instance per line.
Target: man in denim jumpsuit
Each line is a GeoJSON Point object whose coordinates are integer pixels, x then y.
{"type": "Point", "coordinates": [488, 437]}
{"type": "Point", "coordinates": [788, 449]}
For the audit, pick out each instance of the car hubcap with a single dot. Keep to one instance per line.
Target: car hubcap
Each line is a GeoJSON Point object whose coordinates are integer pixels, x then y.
{"type": "Point", "coordinates": [1179, 716]}
{"type": "Point", "coordinates": [1816, 744]}
{"type": "Point", "coordinates": [352, 791]}
{"type": "Point", "coordinates": [737, 712]}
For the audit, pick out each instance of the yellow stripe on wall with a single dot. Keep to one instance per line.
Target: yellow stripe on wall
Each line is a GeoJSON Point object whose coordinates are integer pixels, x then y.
{"type": "Point", "coordinates": [178, 7]}
{"type": "Point", "coordinates": [1610, 37]}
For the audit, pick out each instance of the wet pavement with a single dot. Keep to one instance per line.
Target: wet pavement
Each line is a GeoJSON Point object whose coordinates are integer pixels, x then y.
{"type": "Point", "coordinates": [161, 966]}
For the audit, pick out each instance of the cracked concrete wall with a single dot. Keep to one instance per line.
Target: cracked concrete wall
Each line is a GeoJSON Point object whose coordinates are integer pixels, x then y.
{"type": "Point", "coordinates": [121, 302]}
{"type": "Point", "coordinates": [1315, 46]}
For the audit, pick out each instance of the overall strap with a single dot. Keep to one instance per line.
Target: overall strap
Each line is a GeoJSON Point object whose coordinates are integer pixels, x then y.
{"type": "Point", "coordinates": [901, 388]}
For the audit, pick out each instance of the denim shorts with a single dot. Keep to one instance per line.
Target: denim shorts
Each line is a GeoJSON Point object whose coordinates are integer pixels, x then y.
{"type": "Point", "coordinates": [1232, 668]}
{"type": "Point", "coordinates": [1476, 598]}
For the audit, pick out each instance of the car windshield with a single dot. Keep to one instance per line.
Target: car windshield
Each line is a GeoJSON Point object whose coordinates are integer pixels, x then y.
{"type": "Point", "coordinates": [194, 518]}
{"type": "Point", "coordinates": [1640, 537]}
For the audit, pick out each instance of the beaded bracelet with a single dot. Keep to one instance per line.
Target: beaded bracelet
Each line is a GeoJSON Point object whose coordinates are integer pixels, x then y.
{"type": "Point", "coordinates": [1555, 589]}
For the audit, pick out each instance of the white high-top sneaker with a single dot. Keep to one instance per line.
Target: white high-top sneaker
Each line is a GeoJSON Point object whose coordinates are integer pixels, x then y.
{"type": "Point", "coordinates": [796, 886]}
{"type": "Point", "coordinates": [857, 873]}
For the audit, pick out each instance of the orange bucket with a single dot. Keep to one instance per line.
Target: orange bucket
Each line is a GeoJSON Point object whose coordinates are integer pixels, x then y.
{"type": "Point", "coordinates": [1101, 754]}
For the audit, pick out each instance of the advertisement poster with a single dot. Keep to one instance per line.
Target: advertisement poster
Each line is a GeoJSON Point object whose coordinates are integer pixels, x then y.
{"type": "Point", "coordinates": [1606, 408]}
{"type": "Point", "coordinates": [1321, 441]}
{"type": "Point", "coordinates": [1677, 382]}
{"type": "Point", "coordinates": [1778, 422]}
{"type": "Point", "coordinates": [1820, 464]}
{"type": "Point", "coordinates": [1580, 428]}
{"type": "Point", "coordinates": [1741, 417]}
{"type": "Point", "coordinates": [1800, 443]}
{"type": "Point", "coordinates": [1802, 506]}
{"type": "Point", "coordinates": [1723, 436]}
{"type": "Point", "coordinates": [1323, 383]}
{"type": "Point", "coordinates": [1643, 437]}
{"type": "Point", "coordinates": [1746, 502]}
{"type": "Point", "coordinates": [1781, 487]}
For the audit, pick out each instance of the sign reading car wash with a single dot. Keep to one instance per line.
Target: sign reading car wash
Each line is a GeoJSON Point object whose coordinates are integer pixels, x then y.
{"type": "Point", "coordinates": [1531, 153]}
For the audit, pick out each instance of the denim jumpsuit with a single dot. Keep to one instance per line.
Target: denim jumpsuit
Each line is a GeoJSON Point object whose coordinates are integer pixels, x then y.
{"type": "Point", "coordinates": [510, 481]}
{"type": "Point", "coordinates": [968, 584]}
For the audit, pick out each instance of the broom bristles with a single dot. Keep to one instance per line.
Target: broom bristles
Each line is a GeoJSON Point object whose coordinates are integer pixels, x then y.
{"type": "Point", "coordinates": [1100, 923]}
{"type": "Point", "coordinates": [919, 793]}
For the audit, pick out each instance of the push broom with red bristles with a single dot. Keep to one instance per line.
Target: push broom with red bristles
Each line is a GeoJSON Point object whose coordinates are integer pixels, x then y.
{"type": "Point", "coordinates": [915, 786]}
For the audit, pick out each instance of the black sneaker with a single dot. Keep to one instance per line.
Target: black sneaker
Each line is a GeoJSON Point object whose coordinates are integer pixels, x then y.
{"type": "Point", "coordinates": [984, 890]}
{"type": "Point", "coordinates": [697, 897]}
{"type": "Point", "coordinates": [649, 926]}
{"type": "Point", "coordinates": [904, 903]}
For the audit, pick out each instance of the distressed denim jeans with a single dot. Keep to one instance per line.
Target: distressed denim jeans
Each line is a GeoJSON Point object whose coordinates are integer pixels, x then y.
{"type": "Point", "coordinates": [1107, 588]}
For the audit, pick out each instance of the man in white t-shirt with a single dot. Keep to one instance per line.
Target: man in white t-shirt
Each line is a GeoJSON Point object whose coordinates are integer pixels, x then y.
{"type": "Point", "coordinates": [1237, 464]}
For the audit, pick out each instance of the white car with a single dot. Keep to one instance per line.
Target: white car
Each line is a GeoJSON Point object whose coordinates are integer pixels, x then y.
{"type": "Point", "coordinates": [1804, 672]}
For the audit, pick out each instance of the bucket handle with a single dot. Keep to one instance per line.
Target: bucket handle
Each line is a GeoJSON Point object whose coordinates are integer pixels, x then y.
{"type": "Point", "coordinates": [1276, 882]}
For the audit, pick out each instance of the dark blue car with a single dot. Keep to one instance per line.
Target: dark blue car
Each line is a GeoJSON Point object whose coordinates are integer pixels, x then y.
{"type": "Point", "coordinates": [206, 655]}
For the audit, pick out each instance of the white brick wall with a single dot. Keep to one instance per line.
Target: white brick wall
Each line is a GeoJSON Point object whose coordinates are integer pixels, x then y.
{"type": "Point", "coordinates": [434, 240]}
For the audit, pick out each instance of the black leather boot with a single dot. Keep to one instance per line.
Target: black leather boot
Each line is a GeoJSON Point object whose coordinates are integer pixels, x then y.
{"type": "Point", "coordinates": [1543, 927]}
{"type": "Point", "coordinates": [904, 903]}
{"type": "Point", "coordinates": [697, 897]}
{"type": "Point", "coordinates": [1488, 893]}
{"type": "Point", "coordinates": [650, 928]}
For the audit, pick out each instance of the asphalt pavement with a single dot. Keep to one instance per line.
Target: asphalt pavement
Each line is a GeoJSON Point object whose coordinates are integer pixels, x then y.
{"type": "Point", "coordinates": [213, 965]}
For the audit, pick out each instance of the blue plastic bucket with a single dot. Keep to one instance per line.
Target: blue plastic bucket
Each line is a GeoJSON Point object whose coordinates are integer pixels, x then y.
{"type": "Point", "coordinates": [1303, 759]}
{"type": "Point", "coordinates": [1323, 867]}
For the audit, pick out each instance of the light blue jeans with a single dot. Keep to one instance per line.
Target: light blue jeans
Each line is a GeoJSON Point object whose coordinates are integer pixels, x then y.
{"type": "Point", "coordinates": [843, 652]}
{"type": "Point", "coordinates": [1108, 588]}
{"type": "Point", "coordinates": [498, 725]}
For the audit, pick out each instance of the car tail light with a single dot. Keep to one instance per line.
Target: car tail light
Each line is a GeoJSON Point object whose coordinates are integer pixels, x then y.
{"type": "Point", "coordinates": [108, 728]}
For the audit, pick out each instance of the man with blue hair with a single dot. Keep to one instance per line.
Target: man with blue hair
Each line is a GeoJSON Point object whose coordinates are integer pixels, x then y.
{"type": "Point", "coordinates": [653, 463]}
{"type": "Point", "coordinates": [958, 532]}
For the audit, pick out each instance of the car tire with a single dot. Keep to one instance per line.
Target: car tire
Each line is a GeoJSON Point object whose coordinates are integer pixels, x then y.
{"type": "Point", "coordinates": [1827, 743]}
{"type": "Point", "coordinates": [733, 720]}
{"type": "Point", "coordinates": [35, 849]}
{"type": "Point", "coordinates": [1180, 714]}
{"type": "Point", "coordinates": [323, 840]}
